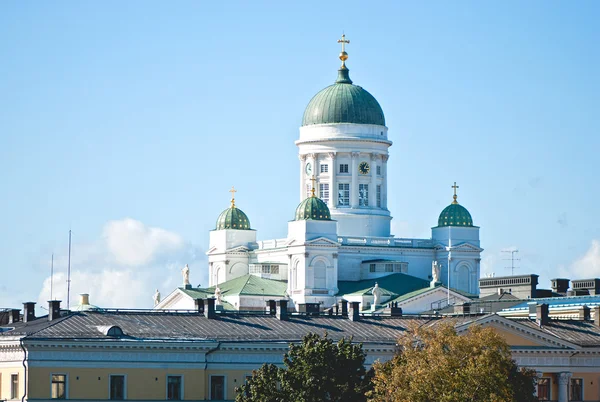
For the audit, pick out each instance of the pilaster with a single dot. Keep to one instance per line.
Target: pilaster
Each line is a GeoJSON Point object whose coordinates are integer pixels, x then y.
{"type": "Point", "coordinates": [564, 379]}
{"type": "Point", "coordinates": [354, 186]}
{"type": "Point", "coordinates": [333, 191]}
{"type": "Point", "coordinates": [384, 159]}
{"type": "Point", "coordinates": [373, 185]}
{"type": "Point", "coordinates": [302, 176]}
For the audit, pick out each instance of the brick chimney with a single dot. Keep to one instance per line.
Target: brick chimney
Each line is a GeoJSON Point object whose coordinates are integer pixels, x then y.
{"type": "Point", "coordinates": [596, 310]}
{"type": "Point", "coordinates": [53, 310]}
{"type": "Point", "coordinates": [542, 314]}
{"type": "Point", "coordinates": [271, 307]}
{"type": "Point", "coordinates": [344, 304]}
{"type": "Point", "coordinates": [584, 313]}
{"type": "Point", "coordinates": [281, 311]}
{"type": "Point", "coordinates": [14, 316]}
{"type": "Point", "coordinates": [28, 311]}
{"type": "Point", "coordinates": [354, 311]}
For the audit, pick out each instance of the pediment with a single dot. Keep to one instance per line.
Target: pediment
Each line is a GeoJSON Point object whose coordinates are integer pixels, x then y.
{"type": "Point", "coordinates": [459, 247]}
{"type": "Point", "coordinates": [238, 249]}
{"type": "Point", "coordinates": [517, 334]}
{"type": "Point", "coordinates": [322, 241]}
{"type": "Point", "coordinates": [212, 250]}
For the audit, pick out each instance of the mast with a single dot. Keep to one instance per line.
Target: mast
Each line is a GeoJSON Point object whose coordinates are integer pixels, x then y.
{"type": "Point", "coordinates": [69, 274]}
{"type": "Point", "coordinates": [51, 276]}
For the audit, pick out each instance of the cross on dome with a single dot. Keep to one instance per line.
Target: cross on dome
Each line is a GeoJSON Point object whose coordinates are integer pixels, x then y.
{"type": "Point", "coordinates": [233, 191]}
{"type": "Point", "coordinates": [454, 196]}
{"type": "Point", "coordinates": [343, 54]}
{"type": "Point", "coordinates": [312, 190]}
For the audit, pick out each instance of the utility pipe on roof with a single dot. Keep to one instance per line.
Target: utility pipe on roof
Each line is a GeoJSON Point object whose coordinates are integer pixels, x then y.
{"type": "Point", "coordinates": [206, 366]}
{"type": "Point", "coordinates": [24, 369]}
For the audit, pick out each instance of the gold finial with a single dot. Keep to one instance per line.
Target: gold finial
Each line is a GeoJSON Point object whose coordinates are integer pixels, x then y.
{"type": "Point", "coordinates": [343, 54]}
{"type": "Point", "coordinates": [233, 191]}
{"type": "Point", "coordinates": [312, 190]}
{"type": "Point", "coordinates": [454, 196]}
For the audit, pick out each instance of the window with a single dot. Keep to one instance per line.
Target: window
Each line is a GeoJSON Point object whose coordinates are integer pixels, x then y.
{"type": "Point", "coordinates": [59, 386]}
{"type": "Point", "coordinates": [363, 195]}
{"type": "Point", "coordinates": [174, 383]}
{"type": "Point", "coordinates": [343, 168]}
{"type": "Point", "coordinates": [343, 194]}
{"type": "Point", "coordinates": [217, 388]}
{"type": "Point", "coordinates": [397, 268]}
{"type": "Point", "coordinates": [389, 267]}
{"type": "Point", "coordinates": [378, 170]}
{"type": "Point", "coordinates": [378, 195]}
{"type": "Point", "coordinates": [576, 389]}
{"type": "Point", "coordinates": [324, 192]}
{"type": "Point", "coordinates": [325, 168]}
{"type": "Point", "coordinates": [372, 267]}
{"type": "Point", "coordinates": [14, 386]}
{"type": "Point", "coordinates": [543, 389]}
{"type": "Point", "coordinates": [117, 387]}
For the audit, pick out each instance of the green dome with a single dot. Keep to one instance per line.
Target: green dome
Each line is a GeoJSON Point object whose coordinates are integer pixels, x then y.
{"type": "Point", "coordinates": [312, 208]}
{"type": "Point", "coordinates": [343, 102]}
{"type": "Point", "coordinates": [455, 215]}
{"type": "Point", "coordinates": [233, 218]}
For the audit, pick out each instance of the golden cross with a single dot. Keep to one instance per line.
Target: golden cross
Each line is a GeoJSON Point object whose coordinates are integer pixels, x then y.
{"type": "Point", "coordinates": [313, 185]}
{"type": "Point", "coordinates": [454, 196]}
{"type": "Point", "coordinates": [233, 191]}
{"type": "Point", "coordinates": [343, 41]}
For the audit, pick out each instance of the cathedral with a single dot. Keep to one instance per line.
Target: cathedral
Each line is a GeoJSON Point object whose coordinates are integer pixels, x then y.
{"type": "Point", "coordinates": [339, 245]}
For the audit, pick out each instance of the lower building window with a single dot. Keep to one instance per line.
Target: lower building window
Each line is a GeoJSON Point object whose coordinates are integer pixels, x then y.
{"type": "Point", "coordinates": [576, 389]}
{"type": "Point", "coordinates": [378, 195]}
{"type": "Point", "coordinates": [59, 386]}
{"type": "Point", "coordinates": [389, 267]}
{"type": "Point", "coordinates": [217, 388]}
{"type": "Point", "coordinates": [324, 192]}
{"type": "Point", "coordinates": [372, 268]}
{"type": "Point", "coordinates": [343, 194]}
{"type": "Point", "coordinates": [343, 168]}
{"type": "Point", "coordinates": [543, 389]}
{"type": "Point", "coordinates": [363, 195]}
{"type": "Point", "coordinates": [174, 388]}
{"type": "Point", "coordinates": [117, 387]}
{"type": "Point", "coordinates": [14, 386]}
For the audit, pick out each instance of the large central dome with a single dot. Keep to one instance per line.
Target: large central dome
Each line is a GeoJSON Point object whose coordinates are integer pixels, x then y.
{"type": "Point", "coordinates": [343, 102]}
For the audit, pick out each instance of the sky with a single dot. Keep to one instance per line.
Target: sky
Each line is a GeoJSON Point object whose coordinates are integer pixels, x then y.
{"type": "Point", "coordinates": [128, 122]}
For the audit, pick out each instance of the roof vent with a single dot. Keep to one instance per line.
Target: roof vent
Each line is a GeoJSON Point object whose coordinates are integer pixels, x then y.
{"type": "Point", "coordinates": [111, 330]}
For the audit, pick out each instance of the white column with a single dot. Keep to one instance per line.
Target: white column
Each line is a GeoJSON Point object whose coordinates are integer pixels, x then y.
{"type": "Point", "coordinates": [313, 161]}
{"type": "Point", "coordinates": [373, 185]}
{"type": "Point", "coordinates": [302, 176]}
{"type": "Point", "coordinates": [384, 159]}
{"type": "Point", "coordinates": [354, 185]}
{"type": "Point", "coordinates": [290, 287]}
{"type": "Point", "coordinates": [563, 386]}
{"type": "Point", "coordinates": [333, 191]}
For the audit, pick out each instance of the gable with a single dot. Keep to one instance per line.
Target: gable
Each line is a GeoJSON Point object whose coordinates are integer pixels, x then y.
{"type": "Point", "coordinates": [322, 241]}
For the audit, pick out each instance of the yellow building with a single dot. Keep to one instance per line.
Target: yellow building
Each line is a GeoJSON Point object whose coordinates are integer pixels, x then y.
{"type": "Point", "coordinates": [204, 354]}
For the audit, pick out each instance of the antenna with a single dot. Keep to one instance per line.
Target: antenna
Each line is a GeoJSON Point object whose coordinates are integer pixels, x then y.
{"type": "Point", "coordinates": [69, 274]}
{"type": "Point", "coordinates": [51, 276]}
{"type": "Point", "coordinates": [512, 260]}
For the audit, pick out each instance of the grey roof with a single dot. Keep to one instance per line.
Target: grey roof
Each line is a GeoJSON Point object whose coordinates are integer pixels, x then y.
{"type": "Point", "coordinates": [582, 333]}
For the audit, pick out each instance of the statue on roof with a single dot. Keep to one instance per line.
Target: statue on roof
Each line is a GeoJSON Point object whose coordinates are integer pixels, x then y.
{"type": "Point", "coordinates": [217, 296]}
{"type": "Point", "coordinates": [435, 272]}
{"type": "Point", "coordinates": [156, 298]}
{"type": "Point", "coordinates": [186, 275]}
{"type": "Point", "coordinates": [376, 294]}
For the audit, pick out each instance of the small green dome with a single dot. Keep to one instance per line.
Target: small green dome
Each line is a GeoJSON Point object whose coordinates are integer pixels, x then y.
{"type": "Point", "coordinates": [233, 218]}
{"type": "Point", "coordinates": [455, 215]}
{"type": "Point", "coordinates": [343, 102]}
{"type": "Point", "coordinates": [312, 208]}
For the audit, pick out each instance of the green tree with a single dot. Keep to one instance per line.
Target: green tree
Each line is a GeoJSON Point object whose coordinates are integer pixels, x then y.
{"type": "Point", "coordinates": [315, 370]}
{"type": "Point", "coordinates": [438, 365]}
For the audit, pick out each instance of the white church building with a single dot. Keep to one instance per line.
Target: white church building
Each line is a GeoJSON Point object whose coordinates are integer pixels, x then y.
{"type": "Point", "coordinates": [340, 246]}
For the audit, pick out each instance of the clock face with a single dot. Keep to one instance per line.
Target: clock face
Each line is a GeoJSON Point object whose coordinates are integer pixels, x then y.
{"type": "Point", "coordinates": [308, 168]}
{"type": "Point", "coordinates": [363, 168]}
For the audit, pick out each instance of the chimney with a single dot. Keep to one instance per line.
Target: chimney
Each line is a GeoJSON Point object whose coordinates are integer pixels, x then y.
{"type": "Point", "coordinates": [271, 307]}
{"type": "Point", "coordinates": [344, 304]}
{"type": "Point", "coordinates": [464, 308]}
{"type": "Point", "coordinates": [395, 311]}
{"type": "Point", "coordinates": [560, 285]}
{"type": "Point", "coordinates": [53, 310]}
{"type": "Point", "coordinates": [584, 313]}
{"type": "Point", "coordinates": [281, 310]}
{"type": "Point", "coordinates": [209, 308]}
{"type": "Point", "coordinates": [541, 314]}
{"type": "Point", "coordinates": [354, 311]}
{"type": "Point", "coordinates": [14, 316]}
{"type": "Point", "coordinates": [84, 299]}
{"type": "Point", "coordinates": [28, 311]}
{"type": "Point", "coordinates": [596, 310]}
{"type": "Point", "coordinates": [199, 303]}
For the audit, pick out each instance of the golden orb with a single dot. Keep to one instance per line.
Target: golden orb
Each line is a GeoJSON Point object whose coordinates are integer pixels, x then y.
{"type": "Point", "coordinates": [343, 56]}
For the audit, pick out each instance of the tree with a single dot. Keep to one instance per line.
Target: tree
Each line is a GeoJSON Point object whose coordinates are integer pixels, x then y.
{"type": "Point", "coordinates": [315, 370]}
{"type": "Point", "coordinates": [437, 364]}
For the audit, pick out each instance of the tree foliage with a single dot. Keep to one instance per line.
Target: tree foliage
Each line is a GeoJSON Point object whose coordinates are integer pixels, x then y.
{"type": "Point", "coordinates": [437, 364]}
{"type": "Point", "coordinates": [315, 370]}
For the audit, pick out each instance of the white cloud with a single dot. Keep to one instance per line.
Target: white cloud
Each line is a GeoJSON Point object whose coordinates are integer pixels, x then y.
{"type": "Point", "coordinates": [587, 266]}
{"type": "Point", "coordinates": [125, 266]}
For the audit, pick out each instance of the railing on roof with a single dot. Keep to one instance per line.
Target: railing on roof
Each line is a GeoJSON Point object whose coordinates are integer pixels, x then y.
{"type": "Point", "coordinates": [385, 242]}
{"type": "Point", "coordinates": [273, 243]}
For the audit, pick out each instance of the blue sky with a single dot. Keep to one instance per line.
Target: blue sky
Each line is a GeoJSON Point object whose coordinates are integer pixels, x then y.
{"type": "Point", "coordinates": [127, 122]}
